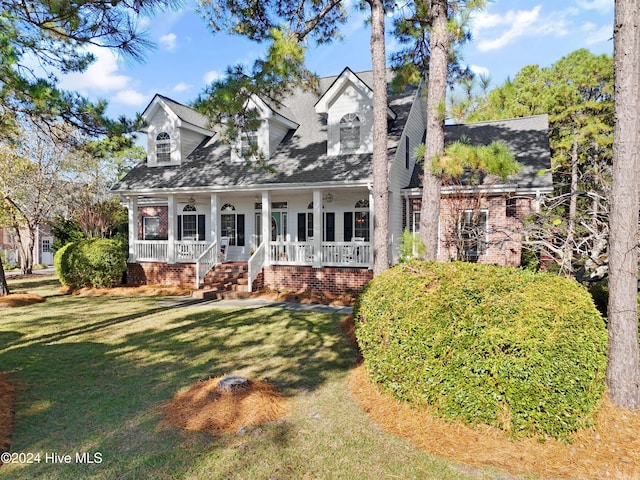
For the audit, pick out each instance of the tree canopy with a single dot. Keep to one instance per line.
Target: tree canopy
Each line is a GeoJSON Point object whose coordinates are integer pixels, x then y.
{"type": "Point", "coordinates": [41, 40]}
{"type": "Point", "coordinates": [577, 93]}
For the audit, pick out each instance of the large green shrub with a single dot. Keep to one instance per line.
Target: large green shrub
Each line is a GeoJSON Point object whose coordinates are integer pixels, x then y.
{"type": "Point", "coordinates": [97, 262]}
{"type": "Point", "coordinates": [520, 350]}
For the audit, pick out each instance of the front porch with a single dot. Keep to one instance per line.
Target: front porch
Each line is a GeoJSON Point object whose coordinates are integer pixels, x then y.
{"type": "Point", "coordinates": [315, 229]}
{"type": "Point", "coordinates": [327, 254]}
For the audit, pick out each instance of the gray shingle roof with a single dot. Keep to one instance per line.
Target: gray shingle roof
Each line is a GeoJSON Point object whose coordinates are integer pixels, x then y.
{"type": "Point", "coordinates": [302, 156]}
{"type": "Point", "coordinates": [300, 159]}
{"type": "Point", "coordinates": [526, 137]}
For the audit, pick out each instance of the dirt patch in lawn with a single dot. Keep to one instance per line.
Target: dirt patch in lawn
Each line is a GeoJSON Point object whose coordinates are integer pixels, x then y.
{"type": "Point", "coordinates": [7, 409]}
{"type": "Point", "coordinates": [20, 299]}
{"type": "Point", "coordinates": [203, 407]}
{"type": "Point", "coordinates": [611, 450]}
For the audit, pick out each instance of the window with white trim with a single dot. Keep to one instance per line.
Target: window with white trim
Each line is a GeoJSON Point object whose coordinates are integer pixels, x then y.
{"type": "Point", "coordinates": [472, 228]}
{"type": "Point", "coordinates": [151, 228]}
{"type": "Point", "coordinates": [163, 148]}
{"type": "Point", "coordinates": [349, 133]}
{"type": "Point", "coordinates": [232, 225]}
{"type": "Point", "coordinates": [249, 143]}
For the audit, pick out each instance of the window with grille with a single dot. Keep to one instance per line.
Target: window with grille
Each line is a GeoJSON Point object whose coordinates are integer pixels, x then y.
{"type": "Point", "coordinates": [163, 148]}
{"type": "Point", "coordinates": [473, 234]}
{"type": "Point", "coordinates": [349, 133]}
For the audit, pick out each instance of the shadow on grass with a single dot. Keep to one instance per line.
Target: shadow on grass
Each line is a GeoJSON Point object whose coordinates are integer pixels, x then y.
{"type": "Point", "coordinates": [34, 282]}
{"type": "Point", "coordinates": [79, 393]}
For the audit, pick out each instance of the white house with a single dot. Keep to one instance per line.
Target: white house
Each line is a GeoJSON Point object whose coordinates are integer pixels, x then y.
{"type": "Point", "coordinates": [196, 195]}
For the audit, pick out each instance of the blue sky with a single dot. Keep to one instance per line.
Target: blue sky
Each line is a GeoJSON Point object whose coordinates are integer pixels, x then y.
{"type": "Point", "coordinates": [507, 36]}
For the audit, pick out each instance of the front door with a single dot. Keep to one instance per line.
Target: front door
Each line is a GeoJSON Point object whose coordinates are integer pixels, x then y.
{"type": "Point", "coordinates": [278, 226]}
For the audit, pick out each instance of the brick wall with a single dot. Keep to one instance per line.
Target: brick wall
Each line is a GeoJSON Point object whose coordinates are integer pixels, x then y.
{"type": "Point", "coordinates": [156, 273]}
{"type": "Point", "coordinates": [329, 279]}
{"type": "Point", "coordinates": [504, 244]}
{"type": "Point", "coordinates": [275, 277]}
{"type": "Point", "coordinates": [162, 212]}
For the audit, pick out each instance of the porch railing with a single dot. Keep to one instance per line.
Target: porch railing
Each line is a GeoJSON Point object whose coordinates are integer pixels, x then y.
{"type": "Point", "coordinates": [255, 264]}
{"type": "Point", "coordinates": [357, 254]}
{"type": "Point", "coordinates": [150, 250]}
{"type": "Point", "coordinates": [188, 251]}
{"type": "Point", "coordinates": [206, 261]}
{"type": "Point", "coordinates": [338, 254]}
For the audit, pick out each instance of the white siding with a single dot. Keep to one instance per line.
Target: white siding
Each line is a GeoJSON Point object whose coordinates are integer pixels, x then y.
{"type": "Point", "coordinates": [350, 100]}
{"type": "Point", "coordinates": [162, 122]}
{"type": "Point", "coordinates": [399, 174]}
{"type": "Point", "coordinates": [276, 133]}
{"type": "Point", "coordinates": [189, 140]}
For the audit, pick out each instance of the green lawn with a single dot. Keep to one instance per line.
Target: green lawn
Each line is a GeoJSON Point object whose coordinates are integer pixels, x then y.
{"type": "Point", "coordinates": [91, 372]}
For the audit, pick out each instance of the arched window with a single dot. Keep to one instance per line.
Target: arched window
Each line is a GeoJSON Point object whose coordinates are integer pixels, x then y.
{"type": "Point", "coordinates": [190, 225]}
{"type": "Point", "coordinates": [360, 226]}
{"type": "Point", "coordinates": [163, 148]}
{"type": "Point", "coordinates": [349, 133]}
{"type": "Point", "coordinates": [363, 203]}
{"type": "Point", "coordinates": [232, 225]}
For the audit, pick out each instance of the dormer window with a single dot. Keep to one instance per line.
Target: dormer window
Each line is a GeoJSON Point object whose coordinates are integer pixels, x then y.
{"type": "Point", "coordinates": [163, 148]}
{"type": "Point", "coordinates": [249, 143]}
{"type": "Point", "coordinates": [349, 133]}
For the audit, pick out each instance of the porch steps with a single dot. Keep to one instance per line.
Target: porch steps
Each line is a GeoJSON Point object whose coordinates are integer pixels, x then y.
{"type": "Point", "coordinates": [229, 280]}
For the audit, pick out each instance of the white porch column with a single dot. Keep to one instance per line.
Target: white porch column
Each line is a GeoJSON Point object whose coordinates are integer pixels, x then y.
{"type": "Point", "coordinates": [372, 221]}
{"type": "Point", "coordinates": [317, 228]}
{"type": "Point", "coordinates": [214, 218]}
{"type": "Point", "coordinates": [132, 207]}
{"type": "Point", "coordinates": [172, 234]}
{"type": "Point", "coordinates": [266, 225]}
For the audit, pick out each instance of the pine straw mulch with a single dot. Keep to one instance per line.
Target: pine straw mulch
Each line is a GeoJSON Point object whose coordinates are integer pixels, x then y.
{"type": "Point", "coordinates": [204, 408]}
{"type": "Point", "coordinates": [309, 296]}
{"type": "Point", "coordinates": [610, 450]}
{"type": "Point", "coordinates": [7, 409]}
{"type": "Point", "coordinates": [20, 300]}
{"type": "Point", "coordinates": [125, 291]}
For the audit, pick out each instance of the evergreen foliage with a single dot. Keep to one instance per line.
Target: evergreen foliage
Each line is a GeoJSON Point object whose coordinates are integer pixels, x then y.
{"type": "Point", "coordinates": [95, 262]}
{"type": "Point", "coordinates": [520, 350]}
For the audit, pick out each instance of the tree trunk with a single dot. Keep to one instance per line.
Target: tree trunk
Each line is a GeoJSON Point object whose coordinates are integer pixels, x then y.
{"type": "Point", "coordinates": [567, 260]}
{"type": "Point", "coordinates": [380, 168]}
{"type": "Point", "coordinates": [434, 142]}
{"type": "Point", "coordinates": [4, 288]}
{"type": "Point", "coordinates": [623, 371]}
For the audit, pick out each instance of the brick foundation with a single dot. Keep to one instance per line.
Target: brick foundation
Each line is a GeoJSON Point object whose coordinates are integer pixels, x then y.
{"type": "Point", "coordinates": [335, 280]}
{"type": "Point", "coordinates": [275, 277]}
{"type": "Point", "coordinates": [156, 273]}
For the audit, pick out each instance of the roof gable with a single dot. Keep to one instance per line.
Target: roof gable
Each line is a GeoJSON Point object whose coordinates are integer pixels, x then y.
{"type": "Point", "coordinates": [184, 116]}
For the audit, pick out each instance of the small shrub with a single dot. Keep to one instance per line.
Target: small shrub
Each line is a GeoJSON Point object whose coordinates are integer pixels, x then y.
{"type": "Point", "coordinates": [520, 350]}
{"type": "Point", "coordinates": [411, 247]}
{"type": "Point", "coordinates": [90, 263]}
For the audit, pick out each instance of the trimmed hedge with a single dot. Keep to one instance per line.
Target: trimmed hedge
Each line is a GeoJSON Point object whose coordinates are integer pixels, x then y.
{"type": "Point", "coordinates": [97, 262]}
{"type": "Point", "coordinates": [519, 350]}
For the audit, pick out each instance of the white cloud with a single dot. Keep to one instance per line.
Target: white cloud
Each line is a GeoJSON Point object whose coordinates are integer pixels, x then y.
{"type": "Point", "coordinates": [520, 22]}
{"type": "Point", "coordinates": [478, 70]}
{"type": "Point", "coordinates": [168, 41]}
{"type": "Point", "coordinates": [495, 31]}
{"type": "Point", "coordinates": [603, 6]}
{"type": "Point", "coordinates": [181, 87]}
{"type": "Point", "coordinates": [595, 34]}
{"type": "Point", "coordinates": [130, 97]}
{"type": "Point", "coordinates": [101, 76]}
{"type": "Point", "coordinates": [212, 76]}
